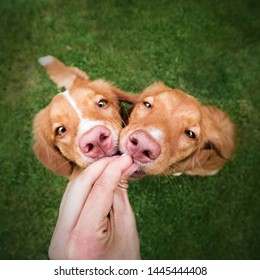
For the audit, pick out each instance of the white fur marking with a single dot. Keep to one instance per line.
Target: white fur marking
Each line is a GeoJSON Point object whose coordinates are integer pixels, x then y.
{"type": "Point", "coordinates": [45, 60]}
{"type": "Point", "coordinates": [155, 132]}
{"type": "Point", "coordinates": [87, 124]}
{"type": "Point", "coordinates": [66, 94]}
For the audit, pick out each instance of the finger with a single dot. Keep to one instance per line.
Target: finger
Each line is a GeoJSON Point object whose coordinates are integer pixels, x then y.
{"type": "Point", "coordinates": [124, 223]}
{"type": "Point", "coordinates": [77, 192]}
{"type": "Point", "coordinates": [124, 219]}
{"type": "Point", "coordinates": [121, 203]}
{"type": "Point", "coordinates": [100, 199]}
{"type": "Point", "coordinates": [95, 168]}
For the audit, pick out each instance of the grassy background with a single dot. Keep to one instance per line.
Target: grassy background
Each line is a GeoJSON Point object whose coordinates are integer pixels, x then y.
{"type": "Point", "coordinates": [209, 49]}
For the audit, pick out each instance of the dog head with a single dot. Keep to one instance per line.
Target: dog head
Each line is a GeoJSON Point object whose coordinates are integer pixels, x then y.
{"type": "Point", "coordinates": [81, 124]}
{"type": "Point", "coordinates": [169, 132]}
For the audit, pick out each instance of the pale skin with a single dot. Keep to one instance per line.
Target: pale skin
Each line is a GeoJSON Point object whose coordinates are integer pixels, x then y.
{"type": "Point", "coordinates": [96, 220]}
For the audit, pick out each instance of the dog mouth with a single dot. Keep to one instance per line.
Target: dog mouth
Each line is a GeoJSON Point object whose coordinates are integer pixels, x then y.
{"type": "Point", "coordinates": [138, 174]}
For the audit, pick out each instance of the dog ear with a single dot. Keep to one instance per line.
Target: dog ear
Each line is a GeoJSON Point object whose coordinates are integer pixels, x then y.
{"type": "Point", "coordinates": [218, 142]}
{"type": "Point", "coordinates": [60, 74]}
{"type": "Point", "coordinates": [44, 148]}
{"type": "Point", "coordinates": [127, 102]}
{"type": "Point", "coordinates": [129, 98]}
{"type": "Point", "coordinates": [218, 131]}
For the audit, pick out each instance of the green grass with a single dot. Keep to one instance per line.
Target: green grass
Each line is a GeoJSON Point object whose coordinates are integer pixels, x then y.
{"type": "Point", "coordinates": [209, 49]}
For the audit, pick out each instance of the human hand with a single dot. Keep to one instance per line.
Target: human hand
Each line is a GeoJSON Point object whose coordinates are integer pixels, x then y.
{"type": "Point", "coordinates": [96, 220]}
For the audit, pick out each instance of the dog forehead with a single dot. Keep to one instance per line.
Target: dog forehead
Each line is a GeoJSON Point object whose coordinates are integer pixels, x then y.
{"type": "Point", "coordinates": [92, 92]}
{"type": "Point", "coordinates": [171, 97]}
{"type": "Point", "coordinates": [74, 98]}
{"type": "Point", "coordinates": [80, 96]}
{"type": "Point", "coordinates": [165, 97]}
{"type": "Point", "coordinates": [104, 88]}
{"type": "Point", "coordinates": [62, 103]}
{"type": "Point", "coordinates": [180, 103]}
{"type": "Point", "coordinates": [164, 100]}
{"type": "Point", "coordinates": [82, 100]}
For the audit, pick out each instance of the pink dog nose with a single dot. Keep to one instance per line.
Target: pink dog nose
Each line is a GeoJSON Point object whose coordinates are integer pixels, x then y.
{"type": "Point", "coordinates": [96, 142]}
{"type": "Point", "coordinates": [142, 146]}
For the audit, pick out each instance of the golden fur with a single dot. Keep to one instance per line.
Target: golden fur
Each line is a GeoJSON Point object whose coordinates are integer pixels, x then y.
{"type": "Point", "coordinates": [61, 153]}
{"type": "Point", "coordinates": [166, 116]}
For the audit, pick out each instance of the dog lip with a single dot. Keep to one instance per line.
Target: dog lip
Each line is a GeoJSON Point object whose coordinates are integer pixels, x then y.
{"type": "Point", "coordinates": [138, 174]}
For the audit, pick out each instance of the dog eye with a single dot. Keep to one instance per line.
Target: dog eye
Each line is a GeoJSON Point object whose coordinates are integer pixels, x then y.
{"type": "Point", "coordinates": [60, 130]}
{"type": "Point", "coordinates": [102, 103]}
{"type": "Point", "coordinates": [147, 104]}
{"type": "Point", "coordinates": [190, 134]}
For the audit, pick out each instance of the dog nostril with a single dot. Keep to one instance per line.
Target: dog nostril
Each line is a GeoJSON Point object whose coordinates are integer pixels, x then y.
{"type": "Point", "coordinates": [102, 137]}
{"type": "Point", "coordinates": [147, 153]}
{"type": "Point", "coordinates": [89, 147]}
{"type": "Point", "coordinates": [134, 141]}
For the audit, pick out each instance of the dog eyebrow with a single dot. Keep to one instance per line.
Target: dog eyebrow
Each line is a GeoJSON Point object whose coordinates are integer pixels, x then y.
{"type": "Point", "coordinates": [68, 97]}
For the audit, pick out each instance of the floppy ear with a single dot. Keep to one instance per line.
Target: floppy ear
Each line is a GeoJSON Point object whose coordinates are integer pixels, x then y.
{"type": "Point", "coordinates": [60, 74]}
{"type": "Point", "coordinates": [125, 96]}
{"type": "Point", "coordinates": [218, 142]}
{"type": "Point", "coordinates": [125, 109]}
{"type": "Point", "coordinates": [44, 148]}
{"type": "Point", "coordinates": [219, 132]}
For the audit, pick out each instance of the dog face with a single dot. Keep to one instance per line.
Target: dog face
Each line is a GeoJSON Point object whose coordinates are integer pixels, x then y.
{"type": "Point", "coordinates": [164, 128]}
{"type": "Point", "coordinates": [169, 133]}
{"type": "Point", "coordinates": [81, 124]}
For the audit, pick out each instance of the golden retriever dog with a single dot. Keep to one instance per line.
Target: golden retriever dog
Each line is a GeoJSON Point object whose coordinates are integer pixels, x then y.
{"type": "Point", "coordinates": [169, 132]}
{"type": "Point", "coordinates": [81, 124]}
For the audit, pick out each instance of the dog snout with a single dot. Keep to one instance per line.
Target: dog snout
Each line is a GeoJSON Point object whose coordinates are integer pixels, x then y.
{"type": "Point", "coordinates": [142, 146]}
{"type": "Point", "coordinates": [97, 142]}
